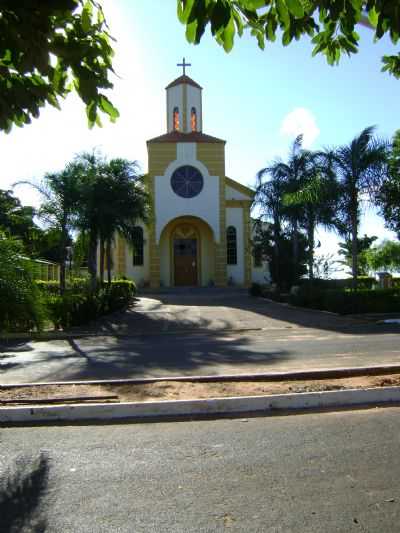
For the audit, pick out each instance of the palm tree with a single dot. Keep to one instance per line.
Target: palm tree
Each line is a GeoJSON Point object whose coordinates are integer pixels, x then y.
{"type": "Point", "coordinates": [113, 199]}
{"type": "Point", "coordinates": [268, 199]}
{"type": "Point", "coordinates": [128, 203]}
{"type": "Point", "coordinates": [360, 168]}
{"type": "Point", "coordinates": [316, 197]}
{"type": "Point", "coordinates": [60, 192]}
{"type": "Point", "coordinates": [286, 178]}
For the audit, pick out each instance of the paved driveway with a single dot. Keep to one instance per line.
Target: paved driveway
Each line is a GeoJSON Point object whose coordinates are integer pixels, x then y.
{"type": "Point", "coordinates": [201, 332]}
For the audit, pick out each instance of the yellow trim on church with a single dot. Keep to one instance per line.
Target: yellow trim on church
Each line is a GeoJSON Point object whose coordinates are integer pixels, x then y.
{"type": "Point", "coordinates": [239, 187]}
{"type": "Point", "coordinates": [212, 155]}
{"type": "Point", "coordinates": [160, 156]}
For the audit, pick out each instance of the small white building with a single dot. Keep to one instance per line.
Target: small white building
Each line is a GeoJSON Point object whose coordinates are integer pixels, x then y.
{"type": "Point", "coordinates": [200, 232]}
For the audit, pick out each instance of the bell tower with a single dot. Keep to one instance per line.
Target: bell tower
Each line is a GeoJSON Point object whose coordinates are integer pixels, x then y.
{"type": "Point", "coordinates": [184, 109]}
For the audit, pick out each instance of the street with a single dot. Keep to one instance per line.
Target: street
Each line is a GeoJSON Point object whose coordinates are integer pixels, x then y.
{"type": "Point", "coordinates": [307, 473]}
{"type": "Point", "coordinates": [185, 333]}
{"type": "Point", "coordinates": [110, 357]}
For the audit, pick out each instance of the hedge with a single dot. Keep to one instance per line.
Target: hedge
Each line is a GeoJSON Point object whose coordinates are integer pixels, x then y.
{"type": "Point", "coordinates": [77, 308]}
{"type": "Point", "coordinates": [363, 282]}
{"type": "Point", "coordinates": [347, 302]}
{"type": "Point", "coordinates": [74, 285]}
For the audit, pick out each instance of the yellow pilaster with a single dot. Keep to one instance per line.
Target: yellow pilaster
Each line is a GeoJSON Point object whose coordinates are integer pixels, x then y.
{"type": "Point", "coordinates": [160, 156]}
{"type": "Point", "coordinates": [247, 245]}
{"type": "Point", "coordinates": [213, 156]}
{"type": "Point", "coordinates": [121, 255]}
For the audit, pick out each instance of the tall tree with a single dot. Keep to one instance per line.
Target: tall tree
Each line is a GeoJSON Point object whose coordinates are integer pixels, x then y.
{"type": "Point", "coordinates": [315, 196]}
{"type": "Point", "coordinates": [388, 197]}
{"type": "Point", "coordinates": [360, 168]}
{"type": "Point", "coordinates": [18, 221]}
{"type": "Point", "coordinates": [113, 199]}
{"type": "Point", "coordinates": [288, 177]}
{"type": "Point", "coordinates": [60, 193]}
{"type": "Point", "coordinates": [363, 248]}
{"type": "Point", "coordinates": [385, 256]}
{"type": "Point", "coordinates": [269, 201]}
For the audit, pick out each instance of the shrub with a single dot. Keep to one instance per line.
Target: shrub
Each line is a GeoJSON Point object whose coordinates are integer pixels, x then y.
{"type": "Point", "coordinates": [363, 301]}
{"type": "Point", "coordinates": [78, 308]}
{"type": "Point", "coordinates": [364, 282]}
{"type": "Point", "coordinates": [308, 296]}
{"type": "Point", "coordinates": [50, 287]}
{"type": "Point", "coordinates": [53, 287]}
{"type": "Point", "coordinates": [346, 301]}
{"type": "Point", "coordinates": [21, 303]}
{"type": "Point", "coordinates": [255, 289]}
{"type": "Point", "coordinates": [273, 294]}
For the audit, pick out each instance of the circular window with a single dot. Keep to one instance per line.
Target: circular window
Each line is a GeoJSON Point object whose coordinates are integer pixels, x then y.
{"type": "Point", "coordinates": [187, 181]}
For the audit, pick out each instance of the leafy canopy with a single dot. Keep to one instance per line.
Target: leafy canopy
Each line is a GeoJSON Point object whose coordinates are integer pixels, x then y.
{"type": "Point", "coordinates": [388, 197]}
{"type": "Point", "coordinates": [385, 256]}
{"type": "Point", "coordinates": [330, 24]}
{"type": "Point", "coordinates": [47, 50]}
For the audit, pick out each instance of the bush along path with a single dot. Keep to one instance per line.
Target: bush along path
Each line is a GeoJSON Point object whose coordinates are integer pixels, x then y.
{"type": "Point", "coordinates": [322, 295]}
{"type": "Point", "coordinates": [77, 306]}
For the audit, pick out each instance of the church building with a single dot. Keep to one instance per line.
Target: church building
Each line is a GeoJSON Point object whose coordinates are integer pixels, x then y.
{"type": "Point", "coordinates": [200, 231]}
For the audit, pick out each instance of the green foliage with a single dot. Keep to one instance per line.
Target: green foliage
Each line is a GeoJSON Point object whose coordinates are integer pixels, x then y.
{"type": "Point", "coordinates": [21, 303]}
{"type": "Point", "coordinates": [284, 272]}
{"type": "Point", "coordinates": [360, 168]}
{"type": "Point", "coordinates": [385, 256]}
{"type": "Point", "coordinates": [112, 198]}
{"type": "Point", "coordinates": [348, 302]}
{"type": "Point", "coordinates": [78, 307]}
{"type": "Point", "coordinates": [363, 246]}
{"type": "Point", "coordinates": [283, 179]}
{"type": "Point", "coordinates": [48, 49]}
{"type": "Point", "coordinates": [388, 197]}
{"type": "Point", "coordinates": [364, 282]}
{"type": "Point", "coordinates": [17, 221]}
{"type": "Point", "coordinates": [255, 289]}
{"type": "Point", "coordinates": [329, 24]}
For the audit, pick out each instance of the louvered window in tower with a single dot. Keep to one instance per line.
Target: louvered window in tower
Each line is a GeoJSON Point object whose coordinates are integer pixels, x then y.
{"type": "Point", "coordinates": [176, 119]}
{"type": "Point", "coordinates": [193, 119]}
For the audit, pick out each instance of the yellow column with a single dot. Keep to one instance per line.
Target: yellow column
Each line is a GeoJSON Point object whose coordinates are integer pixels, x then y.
{"type": "Point", "coordinates": [220, 249]}
{"type": "Point", "coordinates": [121, 255]}
{"type": "Point", "coordinates": [247, 245]}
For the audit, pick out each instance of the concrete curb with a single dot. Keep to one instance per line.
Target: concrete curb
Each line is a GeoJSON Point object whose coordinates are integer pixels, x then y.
{"type": "Point", "coordinates": [214, 407]}
{"type": "Point", "coordinates": [311, 374]}
{"type": "Point", "coordinates": [54, 336]}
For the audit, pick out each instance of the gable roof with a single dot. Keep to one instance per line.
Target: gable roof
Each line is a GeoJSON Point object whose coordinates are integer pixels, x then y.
{"type": "Point", "coordinates": [180, 137]}
{"type": "Point", "coordinates": [239, 187]}
{"type": "Point", "coordinates": [183, 79]}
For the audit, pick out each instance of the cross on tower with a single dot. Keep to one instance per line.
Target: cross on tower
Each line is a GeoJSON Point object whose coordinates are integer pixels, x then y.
{"type": "Point", "coordinates": [184, 64]}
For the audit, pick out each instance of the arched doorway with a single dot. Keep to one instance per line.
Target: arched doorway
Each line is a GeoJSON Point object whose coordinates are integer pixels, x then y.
{"type": "Point", "coordinates": [185, 254]}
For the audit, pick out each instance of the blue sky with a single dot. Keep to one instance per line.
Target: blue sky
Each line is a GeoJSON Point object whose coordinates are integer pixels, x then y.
{"type": "Point", "coordinates": [256, 100]}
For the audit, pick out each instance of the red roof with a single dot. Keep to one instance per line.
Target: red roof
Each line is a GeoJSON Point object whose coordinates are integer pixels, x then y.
{"type": "Point", "coordinates": [180, 137]}
{"type": "Point", "coordinates": [183, 79]}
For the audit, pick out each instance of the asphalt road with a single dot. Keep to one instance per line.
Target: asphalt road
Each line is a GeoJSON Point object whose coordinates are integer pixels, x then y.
{"type": "Point", "coordinates": [336, 472]}
{"type": "Point", "coordinates": [151, 338]}
{"type": "Point", "coordinates": [107, 357]}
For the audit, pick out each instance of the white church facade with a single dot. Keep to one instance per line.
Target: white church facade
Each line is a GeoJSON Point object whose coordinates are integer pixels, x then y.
{"type": "Point", "coordinates": [200, 233]}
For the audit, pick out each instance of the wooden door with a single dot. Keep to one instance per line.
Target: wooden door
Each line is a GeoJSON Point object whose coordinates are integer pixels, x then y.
{"type": "Point", "coordinates": [185, 262]}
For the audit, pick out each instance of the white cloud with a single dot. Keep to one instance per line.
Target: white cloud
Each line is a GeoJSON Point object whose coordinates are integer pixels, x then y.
{"type": "Point", "coordinates": [300, 121]}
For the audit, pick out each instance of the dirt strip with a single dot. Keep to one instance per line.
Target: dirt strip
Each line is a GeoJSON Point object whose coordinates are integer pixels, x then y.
{"type": "Point", "coordinates": [173, 390]}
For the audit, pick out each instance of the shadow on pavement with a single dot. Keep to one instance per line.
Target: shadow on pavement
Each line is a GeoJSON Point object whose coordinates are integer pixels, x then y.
{"type": "Point", "coordinates": [21, 493]}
